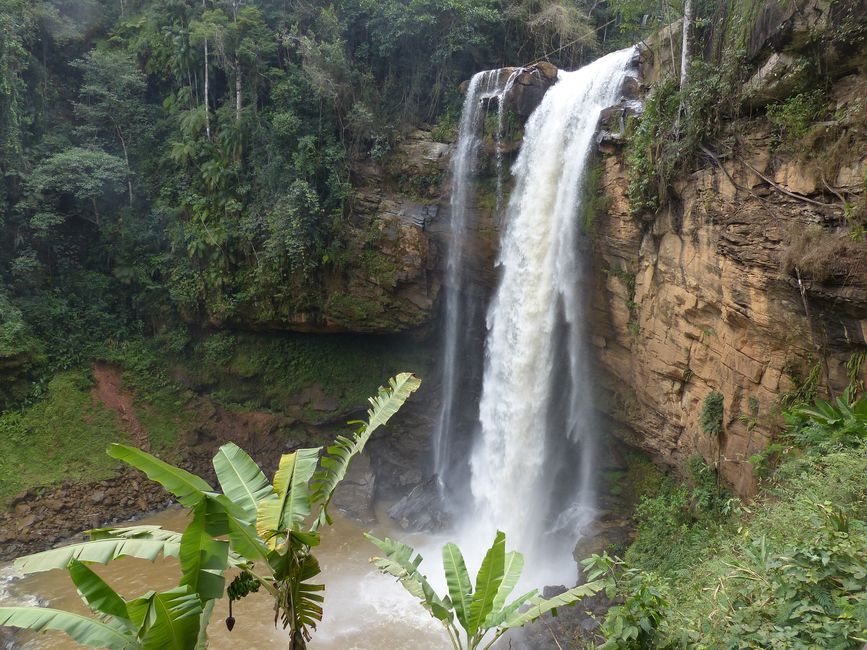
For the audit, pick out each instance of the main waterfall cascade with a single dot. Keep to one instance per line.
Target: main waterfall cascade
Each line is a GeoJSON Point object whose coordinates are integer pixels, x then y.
{"type": "Point", "coordinates": [533, 455]}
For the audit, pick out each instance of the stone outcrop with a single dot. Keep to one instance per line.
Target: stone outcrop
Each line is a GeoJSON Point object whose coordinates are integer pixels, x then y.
{"type": "Point", "coordinates": [529, 87]}
{"type": "Point", "coordinates": [389, 282]}
{"type": "Point", "coordinates": [708, 296]}
{"type": "Point", "coordinates": [384, 277]}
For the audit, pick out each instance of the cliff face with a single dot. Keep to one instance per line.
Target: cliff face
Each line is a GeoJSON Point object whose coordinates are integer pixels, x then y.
{"type": "Point", "coordinates": [388, 281]}
{"type": "Point", "coordinates": [749, 281]}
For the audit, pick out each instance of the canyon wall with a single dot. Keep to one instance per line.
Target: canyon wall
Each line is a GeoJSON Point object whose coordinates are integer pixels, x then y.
{"type": "Point", "coordinates": [749, 280]}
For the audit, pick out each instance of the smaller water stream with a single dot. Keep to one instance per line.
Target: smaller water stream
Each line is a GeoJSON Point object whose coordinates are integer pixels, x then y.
{"type": "Point", "coordinates": [363, 609]}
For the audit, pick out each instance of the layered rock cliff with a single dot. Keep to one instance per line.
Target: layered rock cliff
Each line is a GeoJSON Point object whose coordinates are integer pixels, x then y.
{"type": "Point", "coordinates": [750, 283]}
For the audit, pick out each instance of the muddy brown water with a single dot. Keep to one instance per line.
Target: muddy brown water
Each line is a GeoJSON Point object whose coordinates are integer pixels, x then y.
{"type": "Point", "coordinates": [363, 609]}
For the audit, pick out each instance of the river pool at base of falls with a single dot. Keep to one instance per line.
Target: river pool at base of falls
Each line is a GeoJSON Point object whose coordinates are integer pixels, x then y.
{"type": "Point", "coordinates": [363, 609]}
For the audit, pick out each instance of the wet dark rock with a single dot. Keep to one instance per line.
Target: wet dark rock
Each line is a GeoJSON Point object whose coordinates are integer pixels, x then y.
{"type": "Point", "coordinates": [421, 509]}
{"type": "Point", "coordinates": [612, 123]}
{"type": "Point", "coordinates": [354, 496]}
{"type": "Point", "coordinates": [530, 87]}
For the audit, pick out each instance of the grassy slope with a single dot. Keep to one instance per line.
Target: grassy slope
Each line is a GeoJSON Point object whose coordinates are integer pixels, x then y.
{"type": "Point", "coordinates": [64, 436]}
{"type": "Point", "coordinates": [696, 554]}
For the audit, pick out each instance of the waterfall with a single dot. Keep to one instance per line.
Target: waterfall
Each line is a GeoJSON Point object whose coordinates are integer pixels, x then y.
{"type": "Point", "coordinates": [461, 305]}
{"type": "Point", "coordinates": [532, 463]}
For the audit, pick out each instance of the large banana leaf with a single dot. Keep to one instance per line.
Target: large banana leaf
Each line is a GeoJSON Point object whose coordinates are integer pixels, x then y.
{"type": "Point", "coordinates": [246, 542]}
{"type": "Point", "coordinates": [488, 582]}
{"type": "Point", "coordinates": [497, 617]}
{"type": "Point", "coordinates": [336, 462]}
{"type": "Point", "coordinates": [96, 593]}
{"type": "Point", "coordinates": [540, 606]}
{"type": "Point", "coordinates": [512, 569]}
{"type": "Point", "coordinates": [388, 401]}
{"type": "Point", "coordinates": [203, 558]}
{"type": "Point", "coordinates": [188, 488]}
{"type": "Point", "coordinates": [168, 620]}
{"type": "Point", "coordinates": [149, 531]}
{"type": "Point", "coordinates": [82, 629]}
{"type": "Point", "coordinates": [207, 612]}
{"type": "Point", "coordinates": [400, 563]}
{"type": "Point", "coordinates": [146, 545]}
{"type": "Point", "coordinates": [459, 583]}
{"type": "Point", "coordinates": [288, 508]}
{"type": "Point", "coordinates": [241, 479]}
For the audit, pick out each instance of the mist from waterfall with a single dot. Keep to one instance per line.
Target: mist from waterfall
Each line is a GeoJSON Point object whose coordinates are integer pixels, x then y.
{"type": "Point", "coordinates": [533, 460]}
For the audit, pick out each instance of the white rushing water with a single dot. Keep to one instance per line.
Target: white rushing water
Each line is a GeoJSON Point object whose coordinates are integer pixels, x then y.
{"type": "Point", "coordinates": [459, 311]}
{"type": "Point", "coordinates": [532, 463]}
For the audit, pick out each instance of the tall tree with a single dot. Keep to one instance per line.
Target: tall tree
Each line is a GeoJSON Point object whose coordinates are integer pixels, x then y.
{"type": "Point", "coordinates": [111, 101]}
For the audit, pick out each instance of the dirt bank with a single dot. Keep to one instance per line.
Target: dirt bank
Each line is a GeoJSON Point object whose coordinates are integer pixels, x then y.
{"type": "Point", "coordinates": [41, 517]}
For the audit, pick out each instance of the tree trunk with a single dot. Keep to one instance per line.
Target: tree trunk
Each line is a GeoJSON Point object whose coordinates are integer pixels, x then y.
{"type": "Point", "coordinates": [207, 105]}
{"type": "Point", "coordinates": [126, 158]}
{"type": "Point", "coordinates": [237, 89]}
{"type": "Point", "coordinates": [670, 36]}
{"type": "Point", "coordinates": [686, 53]}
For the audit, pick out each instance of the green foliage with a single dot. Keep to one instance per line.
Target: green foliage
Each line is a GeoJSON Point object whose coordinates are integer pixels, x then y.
{"type": "Point", "coordinates": [829, 425]}
{"type": "Point", "coordinates": [482, 611]}
{"type": "Point", "coordinates": [75, 320]}
{"type": "Point", "coordinates": [92, 177]}
{"type": "Point", "coordinates": [711, 417]}
{"type": "Point", "coordinates": [788, 571]}
{"type": "Point", "coordinates": [793, 117]}
{"type": "Point", "coordinates": [21, 355]}
{"type": "Point", "coordinates": [853, 372]}
{"type": "Point", "coordinates": [675, 520]}
{"type": "Point", "coordinates": [253, 522]}
{"type": "Point", "coordinates": [814, 594]}
{"type": "Point", "coordinates": [677, 122]}
{"type": "Point", "coordinates": [803, 389]}
{"type": "Point", "coordinates": [766, 461]}
{"type": "Point", "coordinates": [650, 159]}
{"type": "Point", "coordinates": [634, 622]}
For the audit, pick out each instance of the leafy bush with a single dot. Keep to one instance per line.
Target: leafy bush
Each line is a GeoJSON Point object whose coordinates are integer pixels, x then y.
{"type": "Point", "coordinates": [675, 124]}
{"type": "Point", "coordinates": [651, 157]}
{"type": "Point", "coordinates": [793, 117]}
{"type": "Point", "coordinates": [827, 424]}
{"type": "Point", "coordinates": [711, 417]}
{"type": "Point", "coordinates": [812, 595]}
{"type": "Point", "coordinates": [633, 624]}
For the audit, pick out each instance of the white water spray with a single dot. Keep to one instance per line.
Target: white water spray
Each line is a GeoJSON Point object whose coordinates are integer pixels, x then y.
{"type": "Point", "coordinates": [535, 401]}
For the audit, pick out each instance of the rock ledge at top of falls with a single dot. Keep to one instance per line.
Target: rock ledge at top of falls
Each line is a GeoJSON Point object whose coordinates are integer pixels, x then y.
{"type": "Point", "coordinates": [528, 87]}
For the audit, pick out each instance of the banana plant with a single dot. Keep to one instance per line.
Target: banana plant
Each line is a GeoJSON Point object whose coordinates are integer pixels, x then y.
{"type": "Point", "coordinates": [842, 421]}
{"type": "Point", "coordinates": [168, 619]}
{"type": "Point", "coordinates": [482, 611]}
{"type": "Point", "coordinates": [251, 523]}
